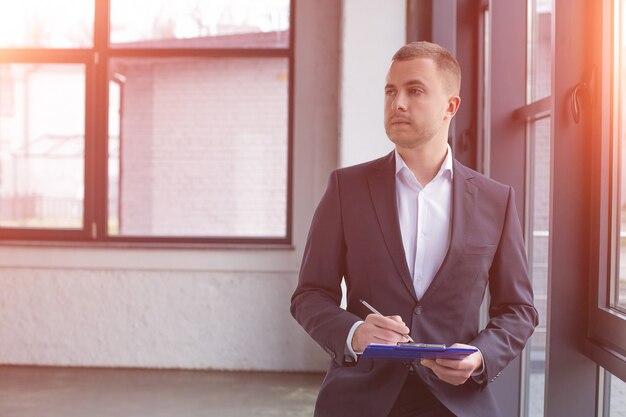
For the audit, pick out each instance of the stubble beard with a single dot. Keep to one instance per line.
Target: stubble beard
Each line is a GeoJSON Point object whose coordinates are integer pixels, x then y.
{"type": "Point", "coordinates": [417, 139]}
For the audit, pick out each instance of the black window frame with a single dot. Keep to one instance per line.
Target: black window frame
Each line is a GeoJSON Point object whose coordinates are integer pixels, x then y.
{"type": "Point", "coordinates": [96, 61]}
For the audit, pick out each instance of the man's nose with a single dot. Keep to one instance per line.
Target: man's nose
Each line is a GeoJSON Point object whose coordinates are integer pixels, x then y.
{"type": "Point", "coordinates": [399, 103]}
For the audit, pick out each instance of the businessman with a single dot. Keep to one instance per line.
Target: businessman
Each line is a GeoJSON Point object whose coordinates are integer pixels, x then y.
{"type": "Point", "coordinates": [420, 237]}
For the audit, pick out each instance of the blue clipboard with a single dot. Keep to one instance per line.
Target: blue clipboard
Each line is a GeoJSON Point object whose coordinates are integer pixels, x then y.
{"type": "Point", "coordinates": [414, 351]}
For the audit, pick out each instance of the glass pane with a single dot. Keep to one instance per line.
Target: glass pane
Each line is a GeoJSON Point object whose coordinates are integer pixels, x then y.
{"type": "Point", "coordinates": [619, 293]}
{"type": "Point", "coordinates": [540, 53]}
{"type": "Point", "coordinates": [46, 23]}
{"type": "Point", "coordinates": [198, 147]}
{"type": "Point", "coordinates": [538, 254]}
{"type": "Point", "coordinates": [42, 130]}
{"type": "Point", "coordinates": [200, 23]}
{"type": "Point", "coordinates": [538, 177]}
{"type": "Point", "coordinates": [617, 397]}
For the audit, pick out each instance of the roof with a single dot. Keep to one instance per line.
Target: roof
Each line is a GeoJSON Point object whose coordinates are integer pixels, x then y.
{"type": "Point", "coordinates": [275, 39]}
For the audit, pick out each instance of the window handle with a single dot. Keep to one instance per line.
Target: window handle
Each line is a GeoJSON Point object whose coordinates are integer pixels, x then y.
{"type": "Point", "coordinates": [581, 87]}
{"type": "Point", "coordinates": [575, 104]}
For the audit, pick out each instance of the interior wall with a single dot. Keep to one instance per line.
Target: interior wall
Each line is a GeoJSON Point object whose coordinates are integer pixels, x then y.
{"type": "Point", "coordinates": [372, 32]}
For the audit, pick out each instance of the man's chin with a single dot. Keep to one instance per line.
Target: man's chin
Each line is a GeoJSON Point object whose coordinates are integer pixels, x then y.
{"type": "Point", "coordinates": [404, 142]}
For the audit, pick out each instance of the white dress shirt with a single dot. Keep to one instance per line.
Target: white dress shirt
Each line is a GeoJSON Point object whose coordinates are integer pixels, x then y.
{"type": "Point", "coordinates": [424, 214]}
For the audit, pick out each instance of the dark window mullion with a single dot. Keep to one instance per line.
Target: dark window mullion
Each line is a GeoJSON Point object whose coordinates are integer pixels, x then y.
{"type": "Point", "coordinates": [8, 234]}
{"type": "Point", "coordinates": [48, 56]}
{"type": "Point", "coordinates": [90, 130]}
{"type": "Point", "coordinates": [199, 53]}
{"type": "Point", "coordinates": [98, 159]}
{"type": "Point", "coordinates": [534, 111]}
{"type": "Point", "coordinates": [290, 118]}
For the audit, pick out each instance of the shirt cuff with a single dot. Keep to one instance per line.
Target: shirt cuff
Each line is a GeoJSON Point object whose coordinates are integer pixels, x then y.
{"type": "Point", "coordinates": [479, 371]}
{"type": "Point", "coordinates": [348, 351]}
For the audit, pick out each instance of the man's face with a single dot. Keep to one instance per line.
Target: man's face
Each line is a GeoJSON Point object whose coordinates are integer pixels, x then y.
{"type": "Point", "coordinates": [418, 107]}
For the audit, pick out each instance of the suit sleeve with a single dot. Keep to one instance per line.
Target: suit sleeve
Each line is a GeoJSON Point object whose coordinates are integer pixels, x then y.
{"type": "Point", "coordinates": [315, 302]}
{"type": "Point", "coordinates": [512, 315]}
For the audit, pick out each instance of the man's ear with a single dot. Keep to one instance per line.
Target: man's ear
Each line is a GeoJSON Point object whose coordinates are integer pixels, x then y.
{"type": "Point", "coordinates": [453, 106]}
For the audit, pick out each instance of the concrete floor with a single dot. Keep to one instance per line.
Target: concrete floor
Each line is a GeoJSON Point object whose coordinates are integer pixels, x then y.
{"type": "Point", "coordinates": [79, 392]}
{"type": "Point", "coordinates": [68, 392]}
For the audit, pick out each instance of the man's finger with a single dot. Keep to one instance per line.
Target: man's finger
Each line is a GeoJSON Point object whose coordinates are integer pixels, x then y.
{"type": "Point", "coordinates": [449, 375]}
{"type": "Point", "coordinates": [429, 363]}
{"type": "Point", "coordinates": [396, 318]}
{"type": "Point", "coordinates": [388, 323]}
{"type": "Point", "coordinates": [388, 336]}
{"type": "Point", "coordinates": [371, 332]}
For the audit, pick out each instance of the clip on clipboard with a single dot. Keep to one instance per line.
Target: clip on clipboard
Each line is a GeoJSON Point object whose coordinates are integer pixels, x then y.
{"type": "Point", "coordinates": [416, 351]}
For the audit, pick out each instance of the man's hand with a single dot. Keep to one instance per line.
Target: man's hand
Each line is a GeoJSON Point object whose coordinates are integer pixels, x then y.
{"type": "Point", "coordinates": [452, 371]}
{"type": "Point", "coordinates": [379, 329]}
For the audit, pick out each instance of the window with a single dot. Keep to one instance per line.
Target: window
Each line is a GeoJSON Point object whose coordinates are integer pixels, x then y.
{"type": "Point", "coordinates": [607, 317]}
{"type": "Point", "coordinates": [616, 397]}
{"type": "Point", "coordinates": [42, 146]}
{"type": "Point", "coordinates": [146, 121]}
{"type": "Point", "coordinates": [47, 24]}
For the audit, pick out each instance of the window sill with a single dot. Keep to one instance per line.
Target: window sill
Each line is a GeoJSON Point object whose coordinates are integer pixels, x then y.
{"type": "Point", "coordinates": [122, 255]}
{"type": "Point", "coordinates": [120, 244]}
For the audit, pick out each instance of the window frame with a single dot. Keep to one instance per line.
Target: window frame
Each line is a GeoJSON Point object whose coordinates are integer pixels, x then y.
{"type": "Point", "coordinates": [95, 205]}
{"type": "Point", "coordinates": [606, 331]}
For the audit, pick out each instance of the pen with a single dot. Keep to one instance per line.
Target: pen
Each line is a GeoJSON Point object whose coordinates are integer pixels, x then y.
{"type": "Point", "coordinates": [373, 310]}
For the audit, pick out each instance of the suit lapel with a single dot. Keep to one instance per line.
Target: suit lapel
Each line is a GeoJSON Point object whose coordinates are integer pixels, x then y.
{"type": "Point", "coordinates": [382, 185]}
{"type": "Point", "coordinates": [463, 203]}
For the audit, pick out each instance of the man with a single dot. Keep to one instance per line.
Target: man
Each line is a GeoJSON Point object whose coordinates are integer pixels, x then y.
{"type": "Point", "coordinates": [419, 236]}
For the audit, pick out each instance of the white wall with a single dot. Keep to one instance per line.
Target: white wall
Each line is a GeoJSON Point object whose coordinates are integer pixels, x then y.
{"type": "Point", "coordinates": [373, 30]}
{"type": "Point", "coordinates": [149, 318]}
{"type": "Point", "coordinates": [218, 308]}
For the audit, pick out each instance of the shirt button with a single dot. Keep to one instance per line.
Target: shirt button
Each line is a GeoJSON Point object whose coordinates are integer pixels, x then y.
{"type": "Point", "coordinates": [418, 310]}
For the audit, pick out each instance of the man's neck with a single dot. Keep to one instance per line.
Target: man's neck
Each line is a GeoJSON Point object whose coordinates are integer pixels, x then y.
{"type": "Point", "coordinates": [424, 161]}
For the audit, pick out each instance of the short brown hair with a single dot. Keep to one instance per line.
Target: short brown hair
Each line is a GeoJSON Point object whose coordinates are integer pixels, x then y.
{"type": "Point", "coordinates": [442, 57]}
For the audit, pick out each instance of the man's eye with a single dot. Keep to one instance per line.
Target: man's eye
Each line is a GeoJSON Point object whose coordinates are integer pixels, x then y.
{"type": "Point", "coordinates": [414, 91]}
{"type": "Point", "coordinates": [390, 93]}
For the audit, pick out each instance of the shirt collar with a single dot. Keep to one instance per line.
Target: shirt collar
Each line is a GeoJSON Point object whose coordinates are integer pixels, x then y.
{"type": "Point", "coordinates": [445, 166]}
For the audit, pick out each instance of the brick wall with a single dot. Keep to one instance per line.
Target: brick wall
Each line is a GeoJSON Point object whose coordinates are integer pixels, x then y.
{"type": "Point", "coordinates": [204, 146]}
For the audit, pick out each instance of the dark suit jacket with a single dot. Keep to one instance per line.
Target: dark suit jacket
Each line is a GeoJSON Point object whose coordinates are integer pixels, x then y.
{"type": "Point", "coordinates": [355, 234]}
